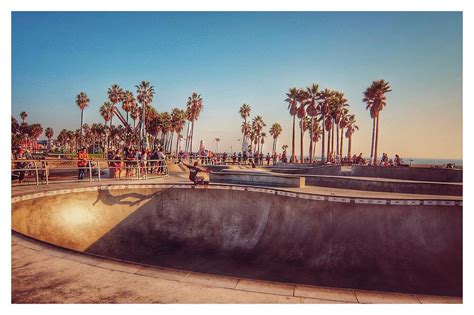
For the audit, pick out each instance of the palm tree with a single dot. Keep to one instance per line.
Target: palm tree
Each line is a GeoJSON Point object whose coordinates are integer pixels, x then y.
{"type": "Point", "coordinates": [263, 135]}
{"type": "Point", "coordinates": [71, 140]}
{"type": "Point", "coordinates": [115, 95]}
{"type": "Point", "coordinates": [245, 129]}
{"type": "Point", "coordinates": [135, 114]}
{"type": "Point", "coordinates": [188, 123]}
{"type": "Point", "coordinates": [304, 126]}
{"type": "Point", "coordinates": [244, 112]}
{"type": "Point", "coordinates": [315, 135]}
{"type": "Point", "coordinates": [252, 139]}
{"type": "Point", "coordinates": [63, 139]}
{"type": "Point", "coordinates": [87, 137]}
{"type": "Point", "coordinates": [275, 132]}
{"type": "Point", "coordinates": [178, 119]}
{"type": "Point", "coordinates": [128, 102]}
{"type": "Point", "coordinates": [292, 101]}
{"type": "Point", "coordinates": [106, 112]}
{"type": "Point", "coordinates": [145, 93]}
{"type": "Point", "coordinates": [82, 101]}
{"type": "Point", "coordinates": [312, 111]}
{"type": "Point", "coordinates": [302, 98]}
{"type": "Point", "coordinates": [156, 125]}
{"type": "Point", "coordinates": [195, 105]}
{"type": "Point", "coordinates": [342, 124]}
{"type": "Point", "coordinates": [257, 126]}
{"type": "Point", "coordinates": [23, 116]}
{"type": "Point", "coordinates": [340, 106]}
{"type": "Point", "coordinates": [375, 98]}
{"type": "Point", "coordinates": [35, 132]}
{"type": "Point", "coordinates": [49, 133]}
{"type": "Point", "coordinates": [351, 128]}
{"type": "Point", "coordinates": [323, 108]}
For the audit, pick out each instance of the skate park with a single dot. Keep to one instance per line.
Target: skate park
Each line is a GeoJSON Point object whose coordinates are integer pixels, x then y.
{"type": "Point", "coordinates": [256, 235]}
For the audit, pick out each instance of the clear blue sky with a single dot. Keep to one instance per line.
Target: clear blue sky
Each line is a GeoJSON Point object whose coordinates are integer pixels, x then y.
{"type": "Point", "coordinates": [235, 58]}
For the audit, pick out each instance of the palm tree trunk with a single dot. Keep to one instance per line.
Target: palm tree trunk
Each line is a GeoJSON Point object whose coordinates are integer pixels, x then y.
{"type": "Point", "coordinates": [332, 138]}
{"type": "Point", "coordinates": [191, 140]}
{"type": "Point", "coordinates": [258, 145]}
{"type": "Point", "coordinates": [323, 142]}
{"type": "Point", "coordinates": [314, 150]}
{"type": "Point", "coordinates": [376, 139]}
{"type": "Point", "coordinates": [337, 139]}
{"type": "Point", "coordinates": [82, 115]}
{"type": "Point", "coordinates": [329, 144]}
{"type": "Point", "coordinates": [311, 141]}
{"type": "Point", "coordinates": [349, 147]}
{"type": "Point", "coordinates": [111, 117]}
{"type": "Point", "coordinates": [144, 135]}
{"type": "Point", "coordinates": [342, 140]}
{"type": "Point", "coordinates": [372, 142]}
{"type": "Point", "coordinates": [187, 137]}
{"type": "Point", "coordinates": [301, 141]}
{"type": "Point", "coordinates": [293, 140]}
{"type": "Point", "coordinates": [177, 144]}
{"type": "Point", "coordinates": [244, 134]}
{"type": "Point", "coordinates": [170, 145]}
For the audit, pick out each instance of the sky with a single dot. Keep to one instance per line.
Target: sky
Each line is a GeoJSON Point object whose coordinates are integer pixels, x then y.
{"type": "Point", "coordinates": [231, 58]}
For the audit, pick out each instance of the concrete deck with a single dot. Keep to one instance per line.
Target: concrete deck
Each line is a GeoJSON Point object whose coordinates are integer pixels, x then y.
{"type": "Point", "coordinates": [183, 178]}
{"type": "Point", "coordinates": [43, 273]}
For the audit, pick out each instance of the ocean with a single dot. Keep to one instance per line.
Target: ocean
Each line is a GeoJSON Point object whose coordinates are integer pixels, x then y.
{"type": "Point", "coordinates": [430, 161]}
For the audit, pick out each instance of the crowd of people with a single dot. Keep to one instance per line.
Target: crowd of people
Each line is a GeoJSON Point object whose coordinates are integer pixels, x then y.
{"type": "Point", "coordinates": [136, 162]}
{"type": "Point", "coordinates": [131, 162]}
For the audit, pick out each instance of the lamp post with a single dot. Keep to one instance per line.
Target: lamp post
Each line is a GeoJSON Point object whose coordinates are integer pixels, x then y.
{"type": "Point", "coordinates": [217, 144]}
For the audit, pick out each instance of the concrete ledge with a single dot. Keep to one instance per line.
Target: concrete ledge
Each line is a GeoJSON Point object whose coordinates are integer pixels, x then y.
{"type": "Point", "coordinates": [409, 173]}
{"type": "Point", "coordinates": [257, 179]}
{"type": "Point", "coordinates": [394, 186]}
{"type": "Point", "coordinates": [307, 169]}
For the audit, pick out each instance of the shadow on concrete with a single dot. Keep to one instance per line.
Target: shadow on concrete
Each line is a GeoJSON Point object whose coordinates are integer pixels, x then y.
{"type": "Point", "coordinates": [416, 249]}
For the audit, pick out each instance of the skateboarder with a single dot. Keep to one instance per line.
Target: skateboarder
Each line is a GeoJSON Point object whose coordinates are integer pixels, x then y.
{"type": "Point", "coordinates": [193, 171]}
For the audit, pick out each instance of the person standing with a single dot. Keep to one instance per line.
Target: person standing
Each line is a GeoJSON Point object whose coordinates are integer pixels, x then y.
{"type": "Point", "coordinates": [82, 158]}
{"type": "Point", "coordinates": [162, 162]}
{"type": "Point", "coordinates": [117, 160]}
{"type": "Point", "coordinates": [20, 165]}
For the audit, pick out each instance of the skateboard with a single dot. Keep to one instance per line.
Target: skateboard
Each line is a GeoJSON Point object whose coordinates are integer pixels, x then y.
{"type": "Point", "coordinates": [203, 183]}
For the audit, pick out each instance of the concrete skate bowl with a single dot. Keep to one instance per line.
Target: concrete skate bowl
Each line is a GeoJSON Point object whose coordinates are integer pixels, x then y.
{"type": "Point", "coordinates": [257, 233]}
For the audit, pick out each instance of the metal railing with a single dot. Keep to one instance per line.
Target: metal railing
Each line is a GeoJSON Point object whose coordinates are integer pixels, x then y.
{"type": "Point", "coordinates": [40, 172]}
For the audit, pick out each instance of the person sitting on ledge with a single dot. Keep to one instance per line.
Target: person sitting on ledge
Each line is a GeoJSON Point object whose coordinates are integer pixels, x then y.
{"type": "Point", "coordinates": [398, 161]}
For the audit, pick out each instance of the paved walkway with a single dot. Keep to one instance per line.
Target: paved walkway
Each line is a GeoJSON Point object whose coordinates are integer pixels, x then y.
{"type": "Point", "coordinates": [43, 273]}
